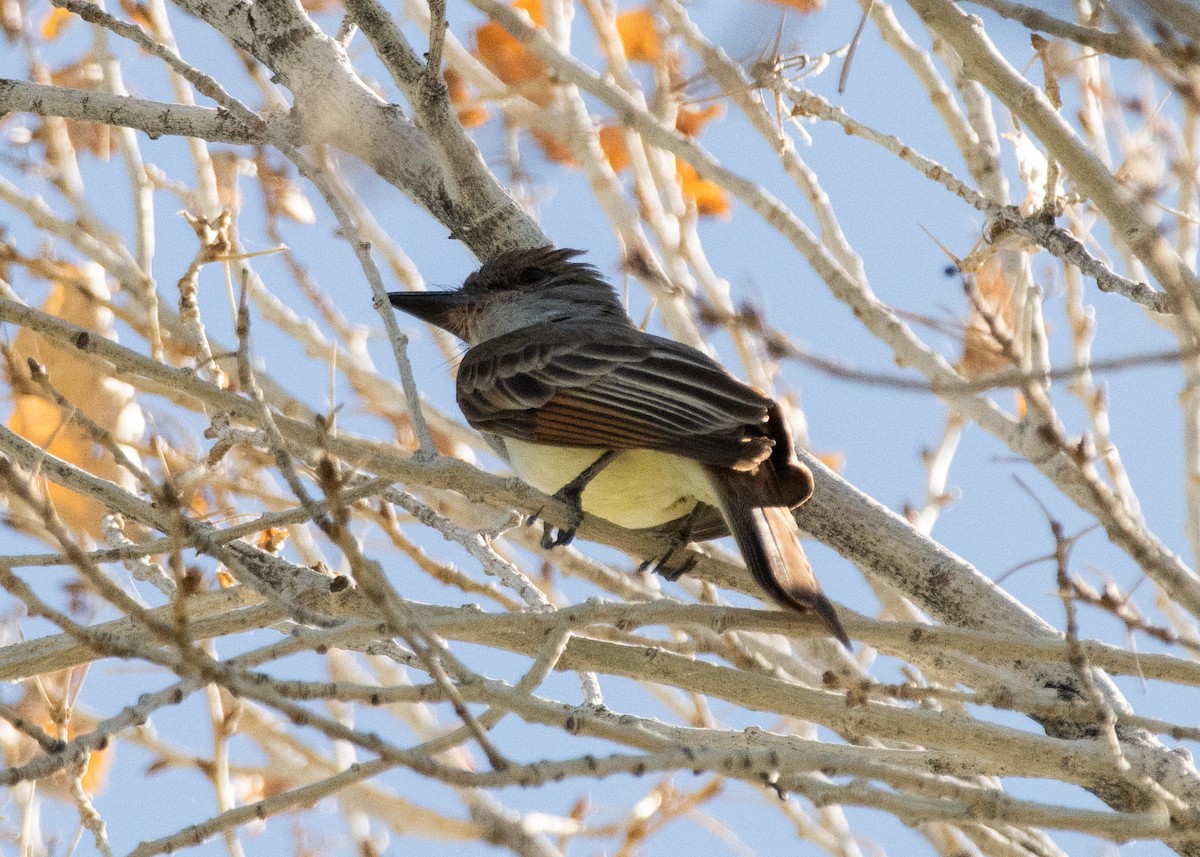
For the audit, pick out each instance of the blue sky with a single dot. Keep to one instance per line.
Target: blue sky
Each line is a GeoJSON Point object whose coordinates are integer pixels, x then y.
{"type": "Point", "coordinates": [888, 212]}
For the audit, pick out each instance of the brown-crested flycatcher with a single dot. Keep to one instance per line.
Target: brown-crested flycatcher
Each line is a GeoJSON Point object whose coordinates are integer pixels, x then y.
{"type": "Point", "coordinates": [630, 427]}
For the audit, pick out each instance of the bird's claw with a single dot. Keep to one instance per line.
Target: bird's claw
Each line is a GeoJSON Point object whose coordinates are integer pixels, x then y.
{"type": "Point", "coordinates": [550, 540]}
{"type": "Point", "coordinates": [572, 497]}
{"type": "Point", "coordinates": [662, 567]}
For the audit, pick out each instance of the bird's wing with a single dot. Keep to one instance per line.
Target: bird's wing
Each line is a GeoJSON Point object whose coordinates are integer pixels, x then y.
{"type": "Point", "coordinates": [611, 386]}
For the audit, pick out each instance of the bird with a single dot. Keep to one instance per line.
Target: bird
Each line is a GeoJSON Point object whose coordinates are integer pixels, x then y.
{"type": "Point", "coordinates": [637, 429]}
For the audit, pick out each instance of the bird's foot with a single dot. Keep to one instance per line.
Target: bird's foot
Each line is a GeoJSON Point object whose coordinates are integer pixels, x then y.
{"type": "Point", "coordinates": [662, 564]}
{"type": "Point", "coordinates": [572, 495]}
{"type": "Point", "coordinates": [566, 535]}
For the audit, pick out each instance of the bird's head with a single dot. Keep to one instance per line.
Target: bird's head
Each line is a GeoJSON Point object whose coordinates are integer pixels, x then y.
{"type": "Point", "coordinates": [516, 289]}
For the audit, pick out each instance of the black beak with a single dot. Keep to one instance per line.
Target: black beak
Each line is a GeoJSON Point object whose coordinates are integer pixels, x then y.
{"type": "Point", "coordinates": [433, 307]}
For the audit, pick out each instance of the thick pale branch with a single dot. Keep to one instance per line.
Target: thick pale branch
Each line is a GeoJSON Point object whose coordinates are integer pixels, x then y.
{"type": "Point", "coordinates": [983, 62]}
{"type": "Point", "coordinates": [920, 750]}
{"type": "Point", "coordinates": [1050, 454]}
{"type": "Point", "coordinates": [864, 531]}
{"type": "Point", "coordinates": [999, 750]}
{"type": "Point", "coordinates": [1180, 775]}
{"type": "Point", "coordinates": [1114, 44]}
{"type": "Point", "coordinates": [1038, 229]}
{"type": "Point", "coordinates": [225, 612]}
{"type": "Point", "coordinates": [333, 105]}
{"type": "Point", "coordinates": [155, 118]}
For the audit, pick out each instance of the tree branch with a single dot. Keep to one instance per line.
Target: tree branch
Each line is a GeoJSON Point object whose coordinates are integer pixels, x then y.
{"type": "Point", "coordinates": [155, 118]}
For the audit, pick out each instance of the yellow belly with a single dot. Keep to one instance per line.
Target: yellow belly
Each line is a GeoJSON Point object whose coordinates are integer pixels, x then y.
{"type": "Point", "coordinates": [638, 488]}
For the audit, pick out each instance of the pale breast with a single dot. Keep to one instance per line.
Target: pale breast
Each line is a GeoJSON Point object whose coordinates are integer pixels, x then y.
{"type": "Point", "coordinates": [638, 488]}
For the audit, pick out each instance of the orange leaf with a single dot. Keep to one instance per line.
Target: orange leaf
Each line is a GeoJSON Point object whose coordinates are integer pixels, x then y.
{"type": "Point", "coordinates": [710, 198]}
{"type": "Point", "coordinates": [79, 296]}
{"type": "Point", "coordinates": [804, 7]}
{"type": "Point", "coordinates": [990, 316]}
{"type": "Point", "coordinates": [283, 197]}
{"type": "Point", "coordinates": [552, 148]}
{"type": "Point", "coordinates": [41, 423]}
{"type": "Point", "coordinates": [272, 539]}
{"type": "Point", "coordinates": [612, 141]}
{"type": "Point", "coordinates": [96, 775]}
{"type": "Point", "coordinates": [470, 112]}
{"type": "Point", "coordinates": [83, 73]}
{"type": "Point", "coordinates": [17, 748]}
{"type": "Point", "coordinates": [690, 121]}
{"type": "Point", "coordinates": [507, 58]}
{"type": "Point", "coordinates": [835, 461]}
{"type": "Point", "coordinates": [55, 23]}
{"type": "Point", "coordinates": [639, 35]}
{"type": "Point", "coordinates": [532, 8]}
{"type": "Point", "coordinates": [503, 55]}
{"type": "Point", "coordinates": [138, 13]}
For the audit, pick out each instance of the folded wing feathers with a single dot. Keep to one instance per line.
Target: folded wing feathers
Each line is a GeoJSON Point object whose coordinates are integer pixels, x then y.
{"type": "Point", "coordinates": [629, 391]}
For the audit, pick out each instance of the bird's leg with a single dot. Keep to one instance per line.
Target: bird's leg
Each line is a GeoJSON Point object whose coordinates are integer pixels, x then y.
{"type": "Point", "coordinates": [683, 535]}
{"type": "Point", "coordinates": [572, 495]}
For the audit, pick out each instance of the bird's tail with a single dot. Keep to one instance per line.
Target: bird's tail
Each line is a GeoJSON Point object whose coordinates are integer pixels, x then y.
{"type": "Point", "coordinates": [769, 541]}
